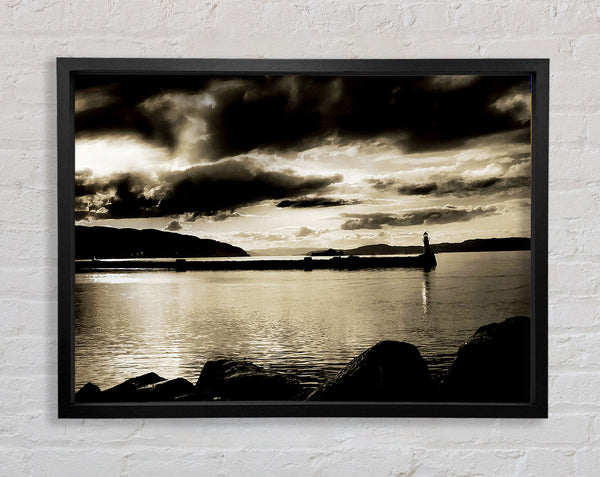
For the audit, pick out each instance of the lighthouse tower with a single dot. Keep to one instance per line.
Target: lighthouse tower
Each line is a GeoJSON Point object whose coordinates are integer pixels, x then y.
{"type": "Point", "coordinates": [426, 247]}
{"type": "Point", "coordinates": [428, 255]}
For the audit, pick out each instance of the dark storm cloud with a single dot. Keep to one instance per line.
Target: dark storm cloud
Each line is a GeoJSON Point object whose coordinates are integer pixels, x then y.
{"type": "Point", "coordinates": [225, 116]}
{"type": "Point", "coordinates": [442, 215]}
{"type": "Point", "coordinates": [304, 203]}
{"type": "Point", "coordinates": [222, 216]}
{"type": "Point", "coordinates": [173, 226]}
{"type": "Point", "coordinates": [510, 174]}
{"type": "Point", "coordinates": [457, 186]}
{"type": "Point", "coordinates": [214, 190]}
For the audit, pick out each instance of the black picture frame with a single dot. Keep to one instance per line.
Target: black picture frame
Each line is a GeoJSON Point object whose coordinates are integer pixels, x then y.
{"type": "Point", "coordinates": [69, 68]}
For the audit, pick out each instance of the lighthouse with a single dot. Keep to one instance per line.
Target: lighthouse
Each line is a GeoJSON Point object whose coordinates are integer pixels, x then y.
{"type": "Point", "coordinates": [426, 247]}
{"type": "Point", "coordinates": [427, 253]}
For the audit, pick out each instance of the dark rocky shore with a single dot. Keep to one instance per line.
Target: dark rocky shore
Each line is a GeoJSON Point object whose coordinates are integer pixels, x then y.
{"type": "Point", "coordinates": [492, 366]}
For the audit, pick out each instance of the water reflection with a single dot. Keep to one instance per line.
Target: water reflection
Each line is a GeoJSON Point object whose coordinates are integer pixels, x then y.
{"type": "Point", "coordinates": [310, 324]}
{"type": "Point", "coordinates": [426, 293]}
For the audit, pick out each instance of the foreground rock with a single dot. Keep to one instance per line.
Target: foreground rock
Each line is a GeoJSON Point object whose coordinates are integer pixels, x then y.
{"type": "Point", "coordinates": [169, 390]}
{"type": "Point", "coordinates": [388, 371]}
{"type": "Point", "coordinates": [237, 380]}
{"type": "Point", "coordinates": [127, 391]}
{"type": "Point", "coordinates": [88, 393]}
{"type": "Point", "coordinates": [493, 365]}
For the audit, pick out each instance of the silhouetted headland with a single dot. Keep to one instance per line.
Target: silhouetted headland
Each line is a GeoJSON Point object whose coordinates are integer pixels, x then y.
{"type": "Point", "coordinates": [474, 245]}
{"type": "Point", "coordinates": [492, 366]}
{"type": "Point", "coordinates": [109, 242]}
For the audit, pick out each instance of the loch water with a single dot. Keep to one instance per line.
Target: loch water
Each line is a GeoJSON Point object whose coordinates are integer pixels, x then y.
{"type": "Point", "coordinates": [310, 324]}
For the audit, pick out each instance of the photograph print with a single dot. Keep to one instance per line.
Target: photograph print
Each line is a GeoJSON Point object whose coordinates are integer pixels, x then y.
{"type": "Point", "coordinates": [302, 238]}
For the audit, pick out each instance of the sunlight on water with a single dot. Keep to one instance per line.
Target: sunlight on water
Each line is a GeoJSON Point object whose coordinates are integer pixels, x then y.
{"type": "Point", "coordinates": [309, 323]}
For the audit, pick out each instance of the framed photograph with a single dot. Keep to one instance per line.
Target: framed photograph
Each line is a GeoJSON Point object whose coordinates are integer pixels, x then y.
{"type": "Point", "coordinates": [302, 237]}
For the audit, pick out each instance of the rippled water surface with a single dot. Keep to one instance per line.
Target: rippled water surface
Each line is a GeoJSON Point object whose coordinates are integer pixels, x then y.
{"type": "Point", "coordinates": [309, 323]}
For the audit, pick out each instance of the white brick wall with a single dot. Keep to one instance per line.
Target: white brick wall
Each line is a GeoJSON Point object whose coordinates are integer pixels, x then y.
{"type": "Point", "coordinates": [34, 442]}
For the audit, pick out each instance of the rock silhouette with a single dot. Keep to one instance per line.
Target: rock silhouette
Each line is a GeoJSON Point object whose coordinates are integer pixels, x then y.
{"type": "Point", "coordinates": [493, 365]}
{"type": "Point", "coordinates": [388, 371]}
{"type": "Point", "coordinates": [125, 392]}
{"type": "Point", "coordinates": [166, 390]}
{"type": "Point", "coordinates": [88, 393]}
{"type": "Point", "coordinates": [227, 379]}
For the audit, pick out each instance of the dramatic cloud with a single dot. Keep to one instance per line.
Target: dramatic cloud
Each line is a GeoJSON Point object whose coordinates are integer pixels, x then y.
{"type": "Point", "coordinates": [512, 173]}
{"type": "Point", "coordinates": [208, 190]}
{"type": "Point", "coordinates": [446, 83]}
{"type": "Point", "coordinates": [305, 232]}
{"type": "Point", "coordinates": [315, 202]}
{"type": "Point", "coordinates": [209, 118]}
{"type": "Point", "coordinates": [457, 186]}
{"type": "Point", "coordinates": [173, 226]}
{"type": "Point", "coordinates": [443, 215]}
{"type": "Point", "coordinates": [94, 98]}
{"type": "Point", "coordinates": [268, 237]}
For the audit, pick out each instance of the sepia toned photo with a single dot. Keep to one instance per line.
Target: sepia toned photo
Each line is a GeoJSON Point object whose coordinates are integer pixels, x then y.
{"type": "Point", "coordinates": [331, 238]}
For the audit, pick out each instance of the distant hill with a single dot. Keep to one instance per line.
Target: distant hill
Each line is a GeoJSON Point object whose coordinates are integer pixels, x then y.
{"type": "Point", "coordinates": [474, 245]}
{"type": "Point", "coordinates": [108, 242]}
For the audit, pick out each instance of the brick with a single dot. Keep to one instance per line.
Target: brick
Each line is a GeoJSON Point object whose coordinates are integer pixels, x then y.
{"type": "Point", "coordinates": [73, 462]}
{"type": "Point", "coordinates": [587, 461]}
{"type": "Point", "coordinates": [575, 351]}
{"type": "Point", "coordinates": [593, 127]}
{"type": "Point", "coordinates": [333, 16]}
{"type": "Point", "coordinates": [548, 462]}
{"type": "Point", "coordinates": [35, 87]}
{"type": "Point", "coordinates": [565, 128]}
{"type": "Point", "coordinates": [25, 316]}
{"type": "Point", "coordinates": [558, 431]}
{"type": "Point", "coordinates": [379, 17]}
{"type": "Point", "coordinates": [573, 313]}
{"type": "Point", "coordinates": [576, 204]}
{"type": "Point", "coordinates": [24, 354]}
{"type": "Point", "coordinates": [186, 17]}
{"type": "Point", "coordinates": [575, 165]}
{"type": "Point", "coordinates": [585, 50]}
{"type": "Point", "coordinates": [431, 16]}
{"type": "Point", "coordinates": [467, 462]}
{"type": "Point", "coordinates": [163, 460]}
{"type": "Point", "coordinates": [126, 47]}
{"type": "Point", "coordinates": [44, 15]}
{"type": "Point", "coordinates": [558, 48]}
{"type": "Point", "coordinates": [574, 279]}
{"type": "Point", "coordinates": [576, 389]}
{"type": "Point", "coordinates": [585, 95]}
{"type": "Point", "coordinates": [15, 461]}
{"type": "Point", "coordinates": [88, 15]}
{"type": "Point", "coordinates": [477, 16]}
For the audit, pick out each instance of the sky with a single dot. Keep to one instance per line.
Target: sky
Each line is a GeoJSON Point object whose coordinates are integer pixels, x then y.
{"type": "Point", "coordinates": [272, 162]}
